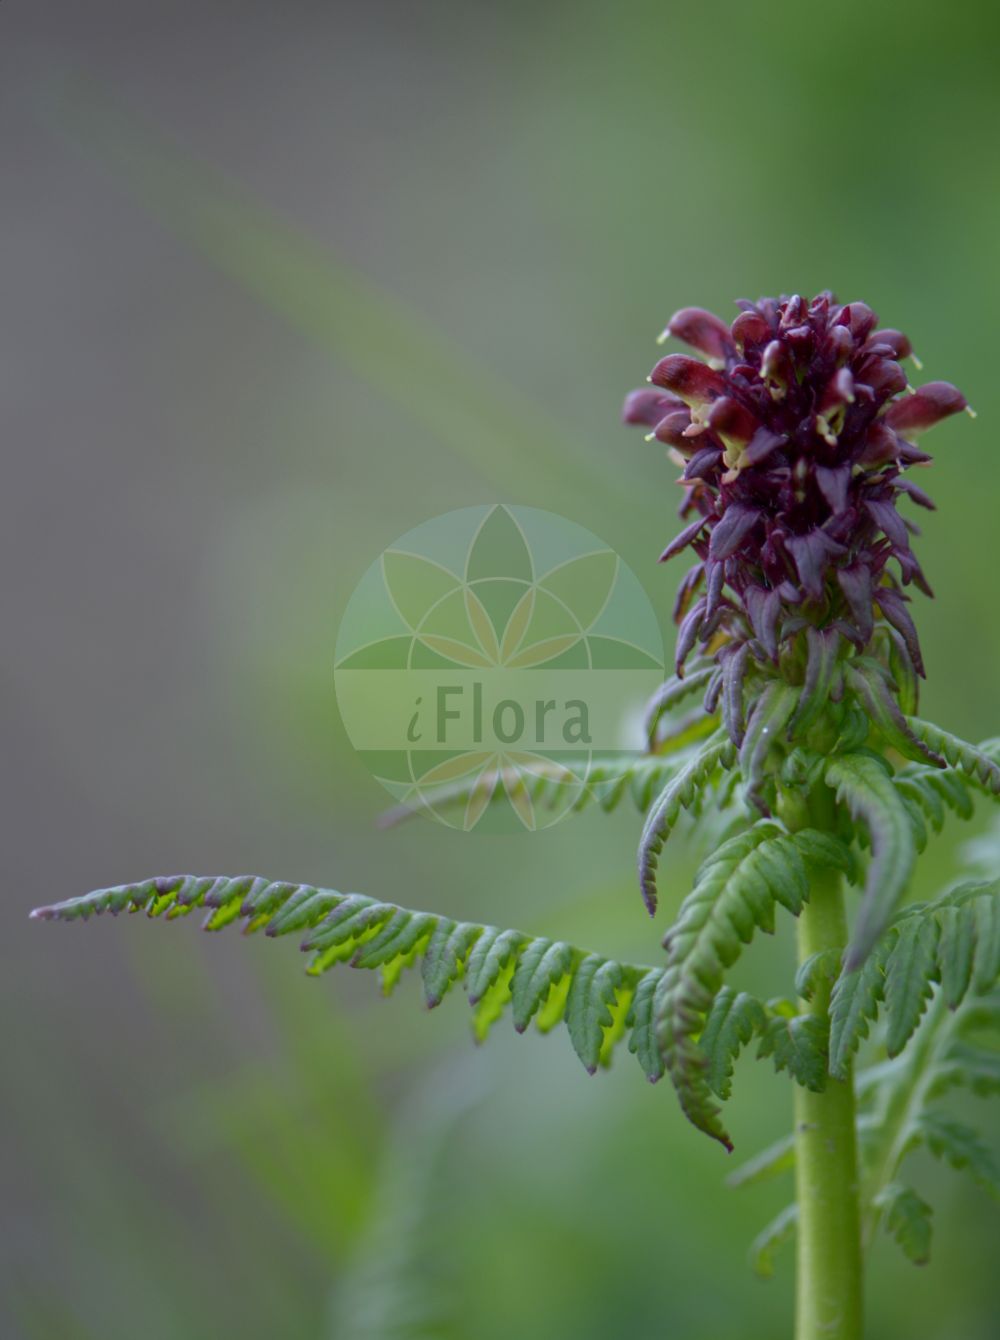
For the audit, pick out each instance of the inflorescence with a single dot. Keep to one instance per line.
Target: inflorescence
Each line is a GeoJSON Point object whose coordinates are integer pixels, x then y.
{"type": "Point", "coordinates": [795, 438]}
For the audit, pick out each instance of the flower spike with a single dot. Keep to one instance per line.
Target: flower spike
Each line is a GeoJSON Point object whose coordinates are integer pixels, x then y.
{"type": "Point", "coordinates": [795, 438]}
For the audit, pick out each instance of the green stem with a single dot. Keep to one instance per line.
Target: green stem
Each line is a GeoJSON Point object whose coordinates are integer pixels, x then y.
{"type": "Point", "coordinates": [829, 1301]}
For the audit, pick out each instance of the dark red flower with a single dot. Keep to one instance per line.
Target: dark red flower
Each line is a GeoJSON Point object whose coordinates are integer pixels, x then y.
{"type": "Point", "coordinates": [794, 438]}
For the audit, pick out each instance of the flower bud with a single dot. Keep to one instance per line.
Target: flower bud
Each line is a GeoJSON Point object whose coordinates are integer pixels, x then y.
{"type": "Point", "coordinates": [750, 330]}
{"type": "Point", "coordinates": [702, 331]}
{"type": "Point", "coordinates": [672, 428]}
{"type": "Point", "coordinates": [694, 382]}
{"type": "Point", "coordinates": [776, 368]}
{"type": "Point", "coordinates": [734, 426]}
{"type": "Point", "coordinates": [648, 407]}
{"type": "Point", "coordinates": [860, 318]}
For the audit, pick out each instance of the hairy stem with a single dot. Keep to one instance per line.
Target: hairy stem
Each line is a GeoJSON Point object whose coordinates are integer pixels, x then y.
{"type": "Point", "coordinates": [829, 1277]}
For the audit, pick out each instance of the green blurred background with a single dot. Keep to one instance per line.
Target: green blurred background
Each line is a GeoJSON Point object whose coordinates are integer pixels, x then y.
{"type": "Point", "coordinates": [280, 281]}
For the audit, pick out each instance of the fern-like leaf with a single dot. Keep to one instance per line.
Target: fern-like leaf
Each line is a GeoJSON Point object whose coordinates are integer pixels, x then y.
{"type": "Point", "coordinates": [968, 956]}
{"type": "Point", "coordinates": [670, 694]}
{"type": "Point", "coordinates": [770, 717]}
{"type": "Point", "coordinates": [819, 968]}
{"type": "Point", "coordinates": [541, 966]}
{"type": "Point", "coordinates": [964, 1066]}
{"type": "Point", "coordinates": [986, 955]}
{"type": "Point", "coordinates": [867, 678]}
{"type": "Point", "coordinates": [590, 1006]}
{"type": "Point", "coordinates": [861, 782]}
{"type": "Point", "coordinates": [680, 793]}
{"type": "Point", "coordinates": [936, 792]}
{"type": "Point", "coordinates": [907, 1219]}
{"type": "Point", "coordinates": [599, 999]}
{"type": "Point", "coordinates": [954, 942]}
{"type": "Point", "coordinates": [798, 1043]}
{"type": "Point", "coordinates": [642, 1022]}
{"type": "Point", "coordinates": [908, 979]}
{"type": "Point", "coordinates": [820, 675]}
{"type": "Point", "coordinates": [929, 952]}
{"type": "Point", "coordinates": [733, 1021]}
{"type": "Point", "coordinates": [780, 1230]}
{"type": "Point", "coordinates": [959, 1145]}
{"type": "Point", "coordinates": [975, 763]}
{"type": "Point", "coordinates": [734, 895]}
{"type": "Point", "coordinates": [854, 1005]}
{"type": "Point", "coordinates": [604, 780]}
{"type": "Point", "coordinates": [956, 934]}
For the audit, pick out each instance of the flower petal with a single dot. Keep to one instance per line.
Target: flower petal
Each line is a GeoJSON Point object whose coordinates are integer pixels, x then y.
{"type": "Point", "coordinates": [672, 427]}
{"type": "Point", "coordinates": [732, 422]}
{"type": "Point", "coordinates": [702, 331]}
{"type": "Point", "coordinates": [926, 407]}
{"type": "Point", "coordinates": [895, 339]}
{"type": "Point", "coordinates": [749, 330]}
{"type": "Point", "coordinates": [694, 382]}
{"type": "Point", "coordinates": [647, 406]}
